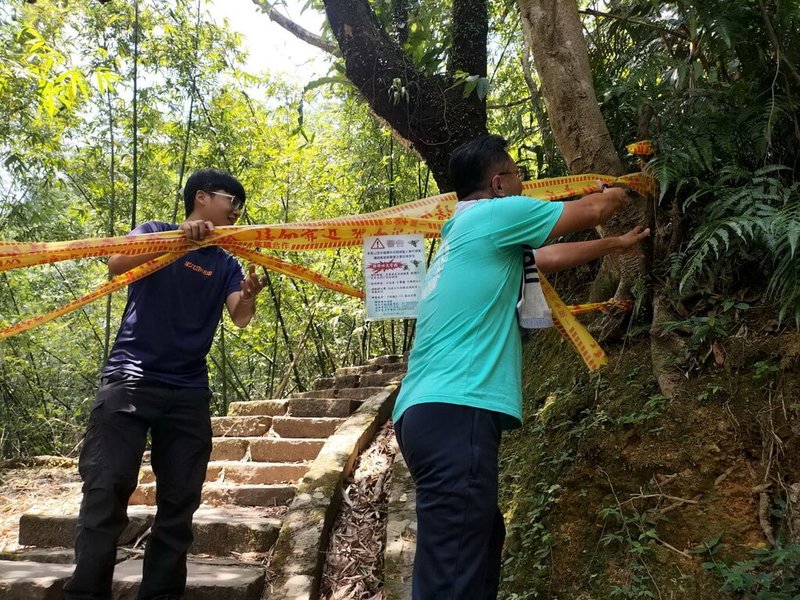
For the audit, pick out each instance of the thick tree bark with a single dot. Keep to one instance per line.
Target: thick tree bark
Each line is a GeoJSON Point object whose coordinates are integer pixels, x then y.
{"type": "Point", "coordinates": [427, 112]}
{"type": "Point", "coordinates": [554, 32]}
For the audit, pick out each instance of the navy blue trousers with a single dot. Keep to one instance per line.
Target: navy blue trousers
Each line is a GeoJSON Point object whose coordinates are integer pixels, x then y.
{"type": "Point", "coordinates": [180, 426]}
{"type": "Point", "coordinates": [451, 452]}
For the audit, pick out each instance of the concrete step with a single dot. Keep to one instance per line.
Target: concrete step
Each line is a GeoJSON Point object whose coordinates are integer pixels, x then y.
{"type": "Point", "coordinates": [346, 381]}
{"type": "Point", "coordinates": [305, 427]}
{"type": "Point", "coordinates": [243, 472]}
{"type": "Point", "coordinates": [217, 494]}
{"type": "Point", "coordinates": [217, 531]}
{"type": "Point", "coordinates": [257, 407]}
{"type": "Point", "coordinates": [359, 393]}
{"type": "Point", "coordinates": [248, 494]}
{"type": "Point", "coordinates": [380, 379]}
{"type": "Point", "coordinates": [324, 383]}
{"type": "Point", "coordinates": [388, 359]}
{"type": "Point", "coordinates": [60, 556]}
{"type": "Point", "coordinates": [266, 449]}
{"type": "Point", "coordinates": [48, 529]}
{"type": "Point", "coordinates": [26, 580]}
{"type": "Point", "coordinates": [207, 580]}
{"type": "Point", "coordinates": [240, 426]}
{"type": "Point", "coordinates": [342, 371]}
{"type": "Point", "coordinates": [321, 407]}
{"type": "Point", "coordinates": [329, 393]}
{"type": "Point", "coordinates": [398, 367]}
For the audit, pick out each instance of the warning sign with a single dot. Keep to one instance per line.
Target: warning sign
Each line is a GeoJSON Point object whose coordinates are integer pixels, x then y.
{"type": "Point", "coordinates": [394, 266]}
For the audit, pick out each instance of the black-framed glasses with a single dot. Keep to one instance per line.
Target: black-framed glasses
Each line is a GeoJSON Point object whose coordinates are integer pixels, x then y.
{"type": "Point", "coordinates": [236, 202]}
{"type": "Point", "coordinates": [521, 171]}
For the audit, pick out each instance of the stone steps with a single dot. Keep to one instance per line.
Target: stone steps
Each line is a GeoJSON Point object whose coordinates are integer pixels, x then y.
{"type": "Point", "coordinates": [240, 426]}
{"type": "Point", "coordinates": [218, 531]}
{"type": "Point", "coordinates": [232, 471]}
{"type": "Point", "coordinates": [207, 580]}
{"type": "Point", "coordinates": [218, 494]}
{"type": "Point", "coordinates": [360, 393]}
{"type": "Point", "coordinates": [257, 407]}
{"type": "Point", "coordinates": [260, 452]}
{"type": "Point", "coordinates": [322, 407]}
{"type": "Point", "coordinates": [265, 449]}
{"type": "Point", "coordinates": [305, 427]}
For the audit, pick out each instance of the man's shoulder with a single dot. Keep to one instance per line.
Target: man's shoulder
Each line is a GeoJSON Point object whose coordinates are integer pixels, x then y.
{"type": "Point", "coordinates": [154, 227]}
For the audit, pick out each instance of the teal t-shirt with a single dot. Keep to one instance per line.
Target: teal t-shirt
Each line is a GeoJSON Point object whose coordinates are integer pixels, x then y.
{"type": "Point", "coordinates": [467, 350]}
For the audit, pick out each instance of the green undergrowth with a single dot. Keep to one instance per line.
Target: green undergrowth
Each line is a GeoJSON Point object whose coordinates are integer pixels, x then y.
{"type": "Point", "coordinates": [612, 490]}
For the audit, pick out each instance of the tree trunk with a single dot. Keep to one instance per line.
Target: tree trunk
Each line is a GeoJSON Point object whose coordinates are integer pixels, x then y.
{"type": "Point", "coordinates": [554, 32]}
{"type": "Point", "coordinates": [427, 112]}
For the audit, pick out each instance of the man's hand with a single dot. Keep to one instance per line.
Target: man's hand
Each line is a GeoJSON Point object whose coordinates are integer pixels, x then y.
{"type": "Point", "coordinates": [627, 243]}
{"type": "Point", "coordinates": [242, 305]}
{"type": "Point", "coordinates": [619, 195]}
{"type": "Point", "coordinates": [252, 285]}
{"type": "Point", "coordinates": [195, 231]}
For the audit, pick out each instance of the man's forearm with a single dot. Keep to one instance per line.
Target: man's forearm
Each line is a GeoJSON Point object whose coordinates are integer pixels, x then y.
{"type": "Point", "coordinates": [122, 263]}
{"type": "Point", "coordinates": [243, 312]}
{"type": "Point", "coordinates": [557, 257]}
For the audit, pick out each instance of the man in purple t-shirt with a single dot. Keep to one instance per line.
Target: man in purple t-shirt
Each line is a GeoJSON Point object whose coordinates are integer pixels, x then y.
{"type": "Point", "coordinates": [156, 380]}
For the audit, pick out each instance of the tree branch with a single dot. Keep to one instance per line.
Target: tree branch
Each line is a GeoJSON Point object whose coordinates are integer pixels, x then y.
{"type": "Point", "coordinates": [296, 30]}
{"type": "Point", "coordinates": [509, 104]}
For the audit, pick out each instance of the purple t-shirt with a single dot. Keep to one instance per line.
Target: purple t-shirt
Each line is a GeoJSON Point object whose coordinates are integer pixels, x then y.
{"type": "Point", "coordinates": [171, 315]}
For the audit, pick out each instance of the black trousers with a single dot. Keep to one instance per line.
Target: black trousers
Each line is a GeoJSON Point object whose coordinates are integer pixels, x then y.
{"type": "Point", "coordinates": [180, 425]}
{"type": "Point", "coordinates": [451, 452]}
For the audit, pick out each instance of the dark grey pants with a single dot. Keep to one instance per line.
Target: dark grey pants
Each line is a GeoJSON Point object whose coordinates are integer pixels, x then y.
{"type": "Point", "coordinates": [180, 426]}
{"type": "Point", "coordinates": [451, 452]}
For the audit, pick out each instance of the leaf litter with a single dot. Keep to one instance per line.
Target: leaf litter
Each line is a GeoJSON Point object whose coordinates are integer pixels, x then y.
{"type": "Point", "coordinates": [354, 561]}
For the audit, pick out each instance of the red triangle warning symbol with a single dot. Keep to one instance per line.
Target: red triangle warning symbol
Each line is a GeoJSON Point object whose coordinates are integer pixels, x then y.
{"type": "Point", "coordinates": [377, 245]}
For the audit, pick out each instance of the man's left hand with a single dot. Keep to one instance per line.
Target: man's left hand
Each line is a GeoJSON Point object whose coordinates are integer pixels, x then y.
{"type": "Point", "coordinates": [628, 242]}
{"type": "Point", "coordinates": [252, 285]}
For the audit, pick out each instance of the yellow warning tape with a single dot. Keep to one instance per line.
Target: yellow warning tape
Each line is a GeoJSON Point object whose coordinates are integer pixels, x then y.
{"type": "Point", "coordinates": [424, 216]}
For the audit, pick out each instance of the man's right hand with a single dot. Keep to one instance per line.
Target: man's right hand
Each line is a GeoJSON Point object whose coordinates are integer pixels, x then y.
{"type": "Point", "coordinates": [618, 195]}
{"type": "Point", "coordinates": [195, 231]}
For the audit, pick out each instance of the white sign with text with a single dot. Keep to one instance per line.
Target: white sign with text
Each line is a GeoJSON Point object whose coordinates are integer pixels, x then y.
{"type": "Point", "coordinates": [394, 266]}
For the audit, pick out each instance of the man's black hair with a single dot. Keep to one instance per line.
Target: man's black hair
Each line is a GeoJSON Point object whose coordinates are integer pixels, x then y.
{"type": "Point", "coordinates": [471, 163]}
{"type": "Point", "coordinates": [210, 180]}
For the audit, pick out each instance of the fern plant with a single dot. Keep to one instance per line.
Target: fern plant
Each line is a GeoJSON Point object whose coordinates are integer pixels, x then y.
{"type": "Point", "coordinates": [747, 214]}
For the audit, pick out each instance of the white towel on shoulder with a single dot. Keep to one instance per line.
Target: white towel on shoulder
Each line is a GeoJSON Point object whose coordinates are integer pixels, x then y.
{"type": "Point", "coordinates": [532, 309]}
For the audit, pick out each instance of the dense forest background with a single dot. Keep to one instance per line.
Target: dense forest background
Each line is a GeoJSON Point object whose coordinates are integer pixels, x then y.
{"type": "Point", "coordinates": [674, 472]}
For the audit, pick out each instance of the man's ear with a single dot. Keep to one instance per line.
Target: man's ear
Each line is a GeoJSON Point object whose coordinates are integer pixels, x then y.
{"type": "Point", "coordinates": [200, 198]}
{"type": "Point", "coordinates": [496, 185]}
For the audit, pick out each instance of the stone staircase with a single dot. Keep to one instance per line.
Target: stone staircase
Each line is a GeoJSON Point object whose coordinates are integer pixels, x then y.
{"type": "Point", "coordinates": [260, 452]}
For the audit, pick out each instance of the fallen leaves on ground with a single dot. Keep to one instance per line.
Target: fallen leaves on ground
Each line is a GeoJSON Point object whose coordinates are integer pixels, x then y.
{"type": "Point", "coordinates": [35, 486]}
{"type": "Point", "coordinates": [354, 566]}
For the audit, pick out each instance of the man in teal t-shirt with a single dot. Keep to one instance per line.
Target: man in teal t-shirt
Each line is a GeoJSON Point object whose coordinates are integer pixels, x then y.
{"type": "Point", "coordinates": [463, 384]}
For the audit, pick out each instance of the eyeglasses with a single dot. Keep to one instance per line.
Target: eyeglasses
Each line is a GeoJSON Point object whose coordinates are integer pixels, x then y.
{"type": "Point", "coordinates": [521, 172]}
{"type": "Point", "coordinates": [236, 203]}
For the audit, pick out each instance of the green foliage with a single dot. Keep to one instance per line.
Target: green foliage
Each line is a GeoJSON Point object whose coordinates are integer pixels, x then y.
{"type": "Point", "coordinates": [68, 174]}
{"type": "Point", "coordinates": [748, 214]}
{"type": "Point", "coordinates": [715, 85]}
{"type": "Point", "coordinates": [773, 573]}
{"type": "Point", "coordinates": [636, 533]}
